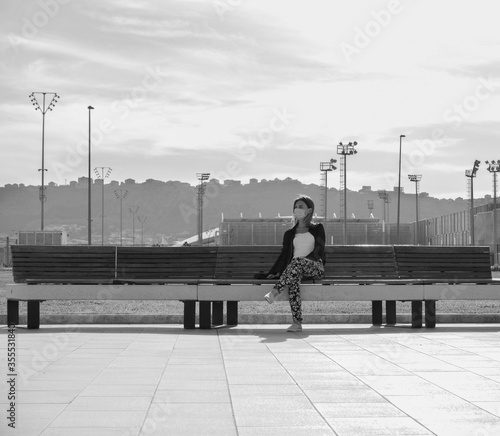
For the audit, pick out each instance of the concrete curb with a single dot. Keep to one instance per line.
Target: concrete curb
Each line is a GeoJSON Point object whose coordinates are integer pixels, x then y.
{"type": "Point", "coordinates": [445, 318]}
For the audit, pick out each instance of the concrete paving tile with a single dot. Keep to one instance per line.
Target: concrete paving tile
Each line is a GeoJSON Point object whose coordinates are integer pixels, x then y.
{"type": "Point", "coordinates": [192, 385]}
{"type": "Point", "coordinates": [264, 390]}
{"type": "Point", "coordinates": [362, 410]}
{"type": "Point", "coordinates": [118, 391]}
{"type": "Point", "coordinates": [461, 427]}
{"type": "Point", "coordinates": [401, 385]}
{"type": "Point", "coordinates": [344, 396]}
{"type": "Point", "coordinates": [324, 430]}
{"type": "Point", "coordinates": [109, 403]}
{"type": "Point", "coordinates": [377, 426]}
{"type": "Point", "coordinates": [72, 431]}
{"type": "Point", "coordinates": [187, 411]}
{"type": "Point", "coordinates": [192, 396]}
{"type": "Point", "coordinates": [293, 402]}
{"type": "Point", "coordinates": [100, 419]}
{"type": "Point", "coordinates": [46, 385]}
{"type": "Point", "coordinates": [47, 396]}
{"type": "Point", "coordinates": [27, 427]}
{"type": "Point", "coordinates": [279, 418]}
{"type": "Point", "coordinates": [195, 426]}
{"type": "Point", "coordinates": [492, 407]}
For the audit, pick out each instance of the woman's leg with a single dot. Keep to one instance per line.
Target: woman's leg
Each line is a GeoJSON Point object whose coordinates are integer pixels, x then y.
{"type": "Point", "coordinates": [291, 278]}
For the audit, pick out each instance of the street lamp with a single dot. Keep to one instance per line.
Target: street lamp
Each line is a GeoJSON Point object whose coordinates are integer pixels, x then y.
{"type": "Point", "coordinates": [416, 178]}
{"type": "Point", "coordinates": [325, 167]}
{"type": "Point", "coordinates": [121, 194]}
{"type": "Point", "coordinates": [202, 177]}
{"type": "Point", "coordinates": [494, 167]}
{"type": "Point", "coordinates": [133, 210]}
{"type": "Point", "coordinates": [43, 109]}
{"type": "Point", "coordinates": [386, 198]}
{"type": "Point", "coordinates": [471, 174]}
{"type": "Point", "coordinates": [102, 177]}
{"type": "Point", "coordinates": [89, 219]}
{"type": "Point", "coordinates": [344, 150]}
{"type": "Point", "coordinates": [142, 219]}
{"type": "Point", "coordinates": [399, 187]}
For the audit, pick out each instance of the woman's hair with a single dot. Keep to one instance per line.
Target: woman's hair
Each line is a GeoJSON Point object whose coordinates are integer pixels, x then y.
{"type": "Point", "coordinates": [309, 203]}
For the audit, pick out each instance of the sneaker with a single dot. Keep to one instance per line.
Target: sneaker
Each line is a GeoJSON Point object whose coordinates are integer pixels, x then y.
{"type": "Point", "coordinates": [295, 327]}
{"type": "Point", "coordinates": [270, 297]}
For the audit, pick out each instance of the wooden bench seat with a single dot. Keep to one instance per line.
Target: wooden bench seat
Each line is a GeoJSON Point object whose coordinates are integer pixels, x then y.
{"type": "Point", "coordinates": [212, 276]}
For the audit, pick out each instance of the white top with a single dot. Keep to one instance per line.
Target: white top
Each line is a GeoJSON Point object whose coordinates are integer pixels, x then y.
{"type": "Point", "coordinates": [303, 244]}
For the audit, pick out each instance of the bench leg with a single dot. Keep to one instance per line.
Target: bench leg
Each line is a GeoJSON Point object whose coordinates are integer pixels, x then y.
{"type": "Point", "coordinates": [218, 313]}
{"type": "Point", "coordinates": [12, 312]}
{"type": "Point", "coordinates": [430, 313]}
{"type": "Point", "coordinates": [232, 313]}
{"type": "Point", "coordinates": [377, 312]}
{"type": "Point", "coordinates": [205, 315]}
{"type": "Point", "coordinates": [416, 314]}
{"type": "Point", "coordinates": [189, 314]}
{"type": "Point", "coordinates": [33, 314]}
{"type": "Point", "coordinates": [390, 312]}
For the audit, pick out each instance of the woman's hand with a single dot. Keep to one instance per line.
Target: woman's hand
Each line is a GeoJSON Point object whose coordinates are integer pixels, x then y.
{"type": "Point", "coordinates": [272, 276]}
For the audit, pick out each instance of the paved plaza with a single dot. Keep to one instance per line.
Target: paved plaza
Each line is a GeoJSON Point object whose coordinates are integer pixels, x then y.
{"type": "Point", "coordinates": [348, 380]}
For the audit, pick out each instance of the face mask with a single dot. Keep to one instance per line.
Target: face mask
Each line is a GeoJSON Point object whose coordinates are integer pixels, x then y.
{"type": "Point", "coordinates": [299, 213]}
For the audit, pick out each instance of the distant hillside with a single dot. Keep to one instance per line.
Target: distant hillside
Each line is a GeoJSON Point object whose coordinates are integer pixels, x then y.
{"type": "Point", "coordinates": [171, 207]}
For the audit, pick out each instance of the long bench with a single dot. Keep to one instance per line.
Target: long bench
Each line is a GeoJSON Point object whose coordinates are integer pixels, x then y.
{"type": "Point", "coordinates": [210, 276]}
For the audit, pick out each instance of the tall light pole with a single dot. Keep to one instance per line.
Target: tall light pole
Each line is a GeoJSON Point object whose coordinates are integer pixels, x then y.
{"type": "Point", "coordinates": [344, 150]}
{"type": "Point", "coordinates": [494, 167]}
{"type": "Point", "coordinates": [102, 177]}
{"type": "Point", "coordinates": [133, 210]}
{"type": "Point", "coordinates": [399, 187]}
{"type": "Point", "coordinates": [325, 167]}
{"type": "Point", "coordinates": [416, 178]}
{"type": "Point", "coordinates": [471, 174]}
{"type": "Point", "coordinates": [202, 177]}
{"type": "Point", "coordinates": [142, 219]}
{"type": "Point", "coordinates": [386, 200]}
{"type": "Point", "coordinates": [121, 194]}
{"type": "Point", "coordinates": [43, 109]}
{"type": "Point", "coordinates": [89, 219]}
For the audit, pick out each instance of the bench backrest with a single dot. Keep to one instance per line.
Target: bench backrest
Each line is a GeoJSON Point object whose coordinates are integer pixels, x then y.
{"type": "Point", "coordinates": [361, 262]}
{"type": "Point", "coordinates": [243, 262]}
{"type": "Point", "coordinates": [443, 263]}
{"type": "Point", "coordinates": [63, 262]}
{"type": "Point", "coordinates": [71, 263]}
{"type": "Point", "coordinates": [165, 262]}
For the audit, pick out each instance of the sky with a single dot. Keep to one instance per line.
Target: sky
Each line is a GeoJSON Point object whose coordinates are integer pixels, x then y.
{"type": "Point", "coordinates": [246, 89]}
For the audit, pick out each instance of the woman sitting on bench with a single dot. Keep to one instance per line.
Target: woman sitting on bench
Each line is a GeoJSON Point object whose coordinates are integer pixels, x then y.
{"type": "Point", "coordinates": [302, 255]}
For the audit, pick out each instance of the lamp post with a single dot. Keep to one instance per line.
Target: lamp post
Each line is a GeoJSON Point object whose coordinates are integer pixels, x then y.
{"type": "Point", "coordinates": [133, 210]}
{"type": "Point", "coordinates": [471, 174]}
{"type": "Point", "coordinates": [89, 219]}
{"type": "Point", "coordinates": [399, 187]}
{"type": "Point", "coordinates": [494, 167]}
{"type": "Point", "coordinates": [386, 198]}
{"type": "Point", "coordinates": [344, 150]}
{"type": "Point", "coordinates": [43, 109]}
{"type": "Point", "coordinates": [325, 167]}
{"type": "Point", "coordinates": [142, 219]}
{"type": "Point", "coordinates": [202, 177]}
{"type": "Point", "coordinates": [102, 177]}
{"type": "Point", "coordinates": [416, 178]}
{"type": "Point", "coordinates": [121, 194]}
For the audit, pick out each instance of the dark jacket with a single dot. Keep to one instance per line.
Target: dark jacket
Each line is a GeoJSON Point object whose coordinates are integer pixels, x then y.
{"type": "Point", "coordinates": [317, 230]}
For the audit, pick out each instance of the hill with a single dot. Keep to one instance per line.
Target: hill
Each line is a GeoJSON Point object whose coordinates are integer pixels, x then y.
{"type": "Point", "coordinates": [169, 210]}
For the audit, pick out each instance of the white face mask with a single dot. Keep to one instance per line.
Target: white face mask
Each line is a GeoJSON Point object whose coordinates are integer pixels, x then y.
{"type": "Point", "coordinates": [300, 213]}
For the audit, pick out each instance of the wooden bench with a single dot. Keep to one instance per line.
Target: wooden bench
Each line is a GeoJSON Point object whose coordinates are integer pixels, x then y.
{"type": "Point", "coordinates": [211, 276]}
{"type": "Point", "coordinates": [130, 273]}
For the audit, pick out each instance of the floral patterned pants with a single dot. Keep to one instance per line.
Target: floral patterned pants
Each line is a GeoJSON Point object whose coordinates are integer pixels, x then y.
{"type": "Point", "coordinates": [298, 268]}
